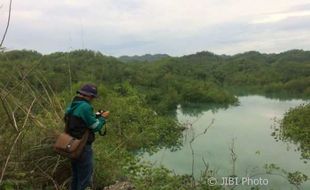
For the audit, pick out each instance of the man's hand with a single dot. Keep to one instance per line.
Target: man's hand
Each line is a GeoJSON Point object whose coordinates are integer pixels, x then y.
{"type": "Point", "coordinates": [105, 114]}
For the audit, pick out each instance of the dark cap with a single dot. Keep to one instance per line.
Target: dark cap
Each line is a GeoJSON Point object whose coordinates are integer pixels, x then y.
{"type": "Point", "coordinates": [88, 90]}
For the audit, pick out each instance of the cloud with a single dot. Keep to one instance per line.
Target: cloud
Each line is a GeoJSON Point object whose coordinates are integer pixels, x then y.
{"type": "Point", "coordinates": [301, 7]}
{"type": "Point", "coordinates": [176, 27]}
{"type": "Point", "coordinates": [280, 16]}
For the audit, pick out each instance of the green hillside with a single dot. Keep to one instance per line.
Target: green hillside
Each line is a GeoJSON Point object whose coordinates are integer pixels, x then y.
{"type": "Point", "coordinates": [142, 98]}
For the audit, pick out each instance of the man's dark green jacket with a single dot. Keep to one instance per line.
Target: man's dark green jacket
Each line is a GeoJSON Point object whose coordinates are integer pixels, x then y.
{"type": "Point", "coordinates": [79, 116]}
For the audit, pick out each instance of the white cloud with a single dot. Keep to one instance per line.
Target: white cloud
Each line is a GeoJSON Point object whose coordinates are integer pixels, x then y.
{"type": "Point", "coordinates": [152, 26]}
{"type": "Point", "coordinates": [280, 16]}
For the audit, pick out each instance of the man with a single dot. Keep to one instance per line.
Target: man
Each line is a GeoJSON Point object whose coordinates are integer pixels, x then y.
{"type": "Point", "coordinates": [80, 117]}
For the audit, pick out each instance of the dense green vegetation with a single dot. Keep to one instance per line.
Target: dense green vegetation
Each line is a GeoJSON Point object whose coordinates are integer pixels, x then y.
{"type": "Point", "coordinates": [134, 127]}
{"type": "Point", "coordinates": [203, 77]}
{"type": "Point", "coordinates": [161, 83]}
{"type": "Point", "coordinates": [295, 127]}
{"type": "Point", "coordinates": [143, 58]}
{"type": "Point", "coordinates": [142, 97]}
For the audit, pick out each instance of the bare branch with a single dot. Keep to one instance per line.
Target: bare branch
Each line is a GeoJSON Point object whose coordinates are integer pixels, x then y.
{"type": "Point", "coordinates": [51, 90]}
{"type": "Point", "coordinates": [25, 110]}
{"type": "Point", "coordinates": [6, 109]}
{"type": "Point", "coordinates": [204, 132]}
{"type": "Point", "coordinates": [49, 99]}
{"type": "Point", "coordinates": [9, 156]}
{"type": "Point", "coordinates": [15, 141]}
{"type": "Point", "coordinates": [48, 176]}
{"type": "Point", "coordinates": [14, 120]}
{"type": "Point", "coordinates": [28, 113]}
{"type": "Point", "coordinates": [192, 149]}
{"type": "Point", "coordinates": [23, 78]}
{"type": "Point", "coordinates": [69, 72]}
{"type": "Point", "coordinates": [233, 157]}
{"type": "Point", "coordinates": [7, 24]}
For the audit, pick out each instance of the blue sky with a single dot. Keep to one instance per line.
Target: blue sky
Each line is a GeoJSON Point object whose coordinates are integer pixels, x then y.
{"type": "Point", "coordinates": [176, 27]}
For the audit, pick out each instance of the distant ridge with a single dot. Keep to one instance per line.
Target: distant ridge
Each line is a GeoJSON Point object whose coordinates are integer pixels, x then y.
{"type": "Point", "coordinates": [142, 58]}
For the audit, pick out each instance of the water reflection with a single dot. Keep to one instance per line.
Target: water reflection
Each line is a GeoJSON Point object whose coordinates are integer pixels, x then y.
{"type": "Point", "coordinates": [249, 125]}
{"type": "Point", "coordinates": [196, 109]}
{"type": "Point", "coordinates": [279, 95]}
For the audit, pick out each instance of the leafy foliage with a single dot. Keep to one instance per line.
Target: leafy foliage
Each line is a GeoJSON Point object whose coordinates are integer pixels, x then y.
{"type": "Point", "coordinates": [295, 127]}
{"type": "Point", "coordinates": [142, 98]}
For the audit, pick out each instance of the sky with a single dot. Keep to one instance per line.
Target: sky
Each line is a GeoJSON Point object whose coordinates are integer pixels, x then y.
{"type": "Point", "coordinates": [175, 27]}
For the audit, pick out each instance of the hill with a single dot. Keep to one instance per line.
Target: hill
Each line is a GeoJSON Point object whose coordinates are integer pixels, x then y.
{"type": "Point", "coordinates": [142, 98]}
{"type": "Point", "coordinates": [142, 58]}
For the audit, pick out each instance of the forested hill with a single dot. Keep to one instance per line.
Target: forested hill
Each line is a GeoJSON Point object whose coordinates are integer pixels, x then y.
{"type": "Point", "coordinates": [142, 58]}
{"type": "Point", "coordinates": [142, 98]}
{"type": "Point", "coordinates": [201, 77]}
{"type": "Point", "coordinates": [288, 70]}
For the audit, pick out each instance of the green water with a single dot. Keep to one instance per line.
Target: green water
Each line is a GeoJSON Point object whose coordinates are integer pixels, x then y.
{"type": "Point", "coordinates": [249, 124]}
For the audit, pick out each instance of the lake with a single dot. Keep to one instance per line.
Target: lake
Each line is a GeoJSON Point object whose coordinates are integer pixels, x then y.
{"type": "Point", "coordinates": [249, 127]}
